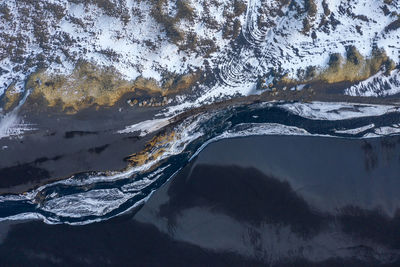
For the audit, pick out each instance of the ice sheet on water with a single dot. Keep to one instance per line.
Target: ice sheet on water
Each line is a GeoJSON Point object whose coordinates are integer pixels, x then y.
{"type": "Point", "coordinates": [90, 203]}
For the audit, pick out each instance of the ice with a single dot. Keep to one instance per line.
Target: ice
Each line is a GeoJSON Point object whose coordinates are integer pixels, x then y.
{"type": "Point", "coordinates": [146, 127]}
{"type": "Point", "coordinates": [356, 130]}
{"type": "Point", "coordinates": [337, 111]}
{"type": "Point", "coordinates": [283, 44]}
{"type": "Point", "coordinates": [91, 203]}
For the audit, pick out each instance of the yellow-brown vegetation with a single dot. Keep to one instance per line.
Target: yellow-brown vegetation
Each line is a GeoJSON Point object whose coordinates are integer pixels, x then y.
{"type": "Point", "coordinates": [353, 68]}
{"type": "Point", "coordinates": [89, 85]}
{"type": "Point", "coordinates": [153, 150]}
{"type": "Point", "coordinates": [10, 98]}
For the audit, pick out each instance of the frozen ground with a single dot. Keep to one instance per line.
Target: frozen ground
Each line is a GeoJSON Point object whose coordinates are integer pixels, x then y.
{"type": "Point", "coordinates": [57, 34]}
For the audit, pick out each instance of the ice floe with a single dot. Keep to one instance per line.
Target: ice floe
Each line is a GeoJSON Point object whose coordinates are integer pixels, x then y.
{"type": "Point", "coordinates": [337, 111]}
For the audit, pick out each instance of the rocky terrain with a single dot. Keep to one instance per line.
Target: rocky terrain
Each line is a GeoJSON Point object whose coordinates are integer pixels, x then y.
{"type": "Point", "coordinates": [77, 53]}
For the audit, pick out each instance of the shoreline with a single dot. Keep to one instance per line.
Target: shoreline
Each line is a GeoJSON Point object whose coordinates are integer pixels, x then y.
{"type": "Point", "coordinates": [66, 145]}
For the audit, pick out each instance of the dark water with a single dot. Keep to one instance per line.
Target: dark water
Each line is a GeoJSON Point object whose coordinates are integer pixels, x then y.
{"type": "Point", "coordinates": [64, 202]}
{"type": "Point", "coordinates": [253, 201]}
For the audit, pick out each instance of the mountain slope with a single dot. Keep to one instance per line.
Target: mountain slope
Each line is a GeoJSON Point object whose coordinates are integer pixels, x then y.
{"type": "Point", "coordinates": [245, 45]}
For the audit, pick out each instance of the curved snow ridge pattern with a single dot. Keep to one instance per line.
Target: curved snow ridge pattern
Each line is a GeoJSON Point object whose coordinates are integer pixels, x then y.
{"type": "Point", "coordinates": [95, 196]}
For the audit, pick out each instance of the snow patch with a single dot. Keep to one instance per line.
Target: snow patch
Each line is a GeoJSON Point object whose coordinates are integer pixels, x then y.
{"type": "Point", "coordinates": [146, 127]}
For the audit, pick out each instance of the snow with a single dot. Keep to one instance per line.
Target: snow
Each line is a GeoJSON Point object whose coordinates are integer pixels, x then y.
{"type": "Point", "coordinates": [377, 85]}
{"type": "Point", "coordinates": [11, 125]}
{"type": "Point", "coordinates": [91, 203]}
{"type": "Point", "coordinates": [146, 127]}
{"type": "Point", "coordinates": [280, 45]}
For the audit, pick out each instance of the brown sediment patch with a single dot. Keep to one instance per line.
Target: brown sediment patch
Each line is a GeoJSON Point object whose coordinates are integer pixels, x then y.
{"type": "Point", "coordinates": [89, 85]}
{"type": "Point", "coordinates": [10, 98]}
{"type": "Point", "coordinates": [176, 84]}
{"type": "Point", "coordinates": [154, 149]}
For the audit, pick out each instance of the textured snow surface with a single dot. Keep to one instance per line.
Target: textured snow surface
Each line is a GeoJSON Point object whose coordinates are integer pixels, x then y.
{"type": "Point", "coordinates": [377, 85]}
{"type": "Point", "coordinates": [273, 38]}
{"type": "Point", "coordinates": [137, 48]}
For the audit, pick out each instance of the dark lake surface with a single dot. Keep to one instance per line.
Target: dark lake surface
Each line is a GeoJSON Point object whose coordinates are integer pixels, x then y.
{"type": "Point", "coordinates": [252, 201]}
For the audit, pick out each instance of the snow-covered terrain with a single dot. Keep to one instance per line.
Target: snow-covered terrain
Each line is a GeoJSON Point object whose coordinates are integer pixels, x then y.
{"type": "Point", "coordinates": [377, 85]}
{"type": "Point", "coordinates": [126, 37]}
{"type": "Point", "coordinates": [241, 39]}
